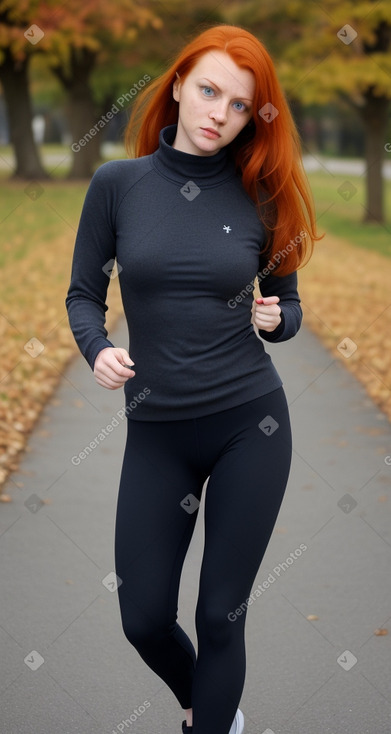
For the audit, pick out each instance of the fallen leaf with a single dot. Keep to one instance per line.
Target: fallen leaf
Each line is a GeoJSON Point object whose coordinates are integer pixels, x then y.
{"type": "Point", "coordinates": [365, 320]}
{"type": "Point", "coordinates": [78, 403]}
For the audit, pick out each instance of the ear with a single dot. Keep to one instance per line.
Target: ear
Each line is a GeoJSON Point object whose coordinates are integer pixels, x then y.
{"type": "Point", "coordinates": [176, 87]}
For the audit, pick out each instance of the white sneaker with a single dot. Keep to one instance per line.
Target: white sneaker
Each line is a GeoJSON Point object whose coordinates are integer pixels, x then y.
{"type": "Point", "coordinates": [237, 724]}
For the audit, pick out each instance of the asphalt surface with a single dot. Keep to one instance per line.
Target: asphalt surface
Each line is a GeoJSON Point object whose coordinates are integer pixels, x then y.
{"type": "Point", "coordinates": [66, 667]}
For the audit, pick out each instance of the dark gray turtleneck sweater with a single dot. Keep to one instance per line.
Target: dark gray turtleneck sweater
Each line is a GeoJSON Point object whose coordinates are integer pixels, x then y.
{"type": "Point", "coordinates": [187, 241]}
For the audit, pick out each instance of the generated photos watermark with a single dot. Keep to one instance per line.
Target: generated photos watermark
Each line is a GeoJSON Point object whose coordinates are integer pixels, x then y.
{"type": "Point", "coordinates": [115, 109]}
{"type": "Point", "coordinates": [104, 432]}
{"type": "Point", "coordinates": [126, 723]}
{"type": "Point", "coordinates": [271, 265]}
{"type": "Point", "coordinates": [272, 577]}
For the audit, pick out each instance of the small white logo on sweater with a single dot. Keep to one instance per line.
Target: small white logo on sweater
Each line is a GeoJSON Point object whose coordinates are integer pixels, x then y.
{"type": "Point", "coordinates": [227, 228]}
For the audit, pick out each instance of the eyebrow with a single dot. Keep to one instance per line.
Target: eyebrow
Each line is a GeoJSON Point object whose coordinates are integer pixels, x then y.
{"type": "Point", "coordinates": [216, 85]}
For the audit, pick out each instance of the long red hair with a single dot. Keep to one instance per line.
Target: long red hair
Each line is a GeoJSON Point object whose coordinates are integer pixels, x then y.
{"type": "Point", "coordinates": [267, 153]}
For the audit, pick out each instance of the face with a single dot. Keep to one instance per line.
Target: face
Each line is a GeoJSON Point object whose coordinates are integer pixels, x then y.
{"type": "Point", "coordinates": [215, 103]}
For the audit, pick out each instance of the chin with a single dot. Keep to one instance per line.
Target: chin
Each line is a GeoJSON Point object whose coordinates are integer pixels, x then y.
{"type": "Point", "coordinates": [208, 146]}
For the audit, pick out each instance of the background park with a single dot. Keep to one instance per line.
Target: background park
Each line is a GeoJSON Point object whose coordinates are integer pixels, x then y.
{"type": "Point", "coordinates": [69, 72]}
{"type": "Point", "coordinates": [66, 70]}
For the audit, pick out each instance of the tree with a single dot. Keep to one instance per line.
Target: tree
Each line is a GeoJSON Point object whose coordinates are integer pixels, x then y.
{"type": "Point", "coordinates": [14, 67]}
{"type": "Point", "coordinates": [334, 49]}
{"type": "Point", "coordinates": [82, 39]}
{"type": "Point", "coordinates": [75, 38]}
{"type": "Point", "coordinates": [95, 53]}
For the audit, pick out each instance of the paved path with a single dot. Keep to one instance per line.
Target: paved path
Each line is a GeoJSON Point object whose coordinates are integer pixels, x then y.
{"type": "Point", "coordinates": [312, 162]}
{"type": "Point", "coordinates": [344, 166]}
{"type": "Point", "coordinates": [66, 667]}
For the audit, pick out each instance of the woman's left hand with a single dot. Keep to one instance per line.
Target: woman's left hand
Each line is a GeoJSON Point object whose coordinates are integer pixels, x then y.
{"type": "Point", "coordinates": [266, 313]}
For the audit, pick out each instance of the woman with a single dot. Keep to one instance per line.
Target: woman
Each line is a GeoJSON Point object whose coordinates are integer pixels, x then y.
{"type": "Point", "coordinates": [214, 196]}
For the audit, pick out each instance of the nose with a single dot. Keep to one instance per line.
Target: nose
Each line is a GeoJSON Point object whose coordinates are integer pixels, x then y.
{"type": "Point", "coordinates": [219, 113]}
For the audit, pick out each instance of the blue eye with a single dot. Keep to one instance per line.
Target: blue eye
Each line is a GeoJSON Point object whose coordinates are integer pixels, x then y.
{"type": "Point", "coordinates": [242, 106]}
{"type": "Point", "coordinates": [206, 90]}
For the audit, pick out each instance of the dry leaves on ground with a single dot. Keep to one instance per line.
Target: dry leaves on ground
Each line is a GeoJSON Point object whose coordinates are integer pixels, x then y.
{"type": "Point", "coordinates": [33, 315]}
{"type": "Point", "coordinates": [346, 298]}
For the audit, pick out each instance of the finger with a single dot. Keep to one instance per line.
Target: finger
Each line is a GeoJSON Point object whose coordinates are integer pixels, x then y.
{"type": "Point", "coordinates": [106, 380]}
{"type": "Point", "coordinates": [266, 324]}
{"type": "Point", "coordinates": [123, 357]}
{"type": "Point", "coordinates": [108, 385]}
{"type": "Point", "coordinates": [269, 300]}
{"type": "Point", "coordinates": [272, 310]}
{"type": "Point", "coordinates": [128, 371]}
{"type": "Point", "coordinates": [267, 327]}
{"type": "Point", "coordinates": [268, 318]}
{"type": "Point", "coordinates": [118, 366]}
{"type": "Point", "coordinates": [114, 375]}
{"type": "Point", "coordinates": [118, 359]}
{"type": "Point", "coordinates": [273, 314]}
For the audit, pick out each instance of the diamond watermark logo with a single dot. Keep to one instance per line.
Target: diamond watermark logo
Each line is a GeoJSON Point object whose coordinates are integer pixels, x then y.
{"type": "Point", "coordinates": [347, 34]}
{"type": "Point", "coordinates": [33, 503]}
{"type": "Point", "coordinates": [190, 190]}
{"type": "Point", "coordinates": [34, 190]}
{"type": "Point", "coordinates": [34, 34]}
{"type": "Point", "coordinates": [33, 347]}
{"type": "Point", "coordinates": [112, 581]}
{"type": "Point", "coordinates": [347, 503]}
{"type": "Point", "coordinates": [268, 425]}
{"type": "Point", "coordinates": [347, 190]}
{"type": "Point", "coordinates": [347, 347]}
{"type": "Point", "coordinates": [112, 268]}
{"type": "Point", "coordinates": [346, 660]}
{"type": "Point", "coordinates": [34, 660]}
{"type": "Point", "coordinates": [268, 112]}
{"type": "Point", "coordinates": [190, 503]}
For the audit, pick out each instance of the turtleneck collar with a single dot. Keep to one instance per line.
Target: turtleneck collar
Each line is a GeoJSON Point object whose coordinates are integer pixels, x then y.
{"type": "Point", "coordinates": [178, 166]}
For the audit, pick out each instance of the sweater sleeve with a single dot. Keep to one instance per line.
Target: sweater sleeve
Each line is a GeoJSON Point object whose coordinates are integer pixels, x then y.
{"type": "Point", "coordinates": [93, 259]}
{"type": "Point", "coordinates": [291, 314]}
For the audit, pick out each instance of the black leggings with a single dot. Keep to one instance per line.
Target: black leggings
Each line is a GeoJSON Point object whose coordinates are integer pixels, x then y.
{"type": "Point", "coordinates": [165, 466]}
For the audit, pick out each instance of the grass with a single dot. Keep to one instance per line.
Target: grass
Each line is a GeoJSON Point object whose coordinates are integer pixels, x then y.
{"type": "Point", "coordinates": [27, 222]}
{"type": "Point", "coordinates": [56, 158]}
{"type": "Point", "coordinates": [344, 218]}
{"type": "Point", "coordinates": [335, 215]}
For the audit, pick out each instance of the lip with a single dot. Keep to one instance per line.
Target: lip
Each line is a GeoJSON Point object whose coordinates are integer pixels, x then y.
{"type": "Point", "coordinates": [210, 132]}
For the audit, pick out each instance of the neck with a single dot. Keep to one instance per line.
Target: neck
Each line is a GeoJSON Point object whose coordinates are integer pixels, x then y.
{"type": "Point", "coordinates": [181, 167]}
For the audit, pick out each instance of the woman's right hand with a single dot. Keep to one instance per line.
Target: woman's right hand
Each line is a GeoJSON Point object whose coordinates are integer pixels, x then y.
{"type": "Point", "coordinates": [109, 369]}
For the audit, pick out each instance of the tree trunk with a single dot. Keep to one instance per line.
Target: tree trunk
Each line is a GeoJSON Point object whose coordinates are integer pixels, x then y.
{"type": "Point", "coordinates": [82, 117]}
{"type": "Point", "coordinates": [374, 115]}
{"type": "Point", "coordinates": [14, 78]}
{"type": "Point", "coordinates": [81, 112]}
